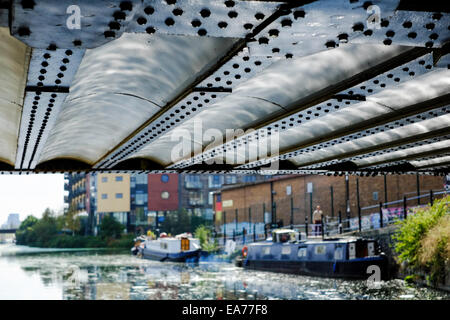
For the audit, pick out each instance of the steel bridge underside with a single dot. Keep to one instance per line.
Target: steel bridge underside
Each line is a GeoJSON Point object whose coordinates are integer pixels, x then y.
{"type": "Point", "coordinates": [327, 86]}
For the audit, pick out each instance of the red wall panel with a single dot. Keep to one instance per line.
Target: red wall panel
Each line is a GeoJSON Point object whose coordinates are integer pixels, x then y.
{"type": "Point", "coordinates": [156, 187]}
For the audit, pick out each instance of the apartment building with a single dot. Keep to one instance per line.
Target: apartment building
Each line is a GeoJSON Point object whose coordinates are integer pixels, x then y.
{"type": "Point", "coordinates": [113, 196]}
{"type": "Point", "coordinates": [137, 200]}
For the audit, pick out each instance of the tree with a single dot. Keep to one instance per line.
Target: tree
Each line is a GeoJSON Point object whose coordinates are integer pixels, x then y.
{"type": "Point", "coordinates": [169, 225]}
{"type": "Point", "coordinates": [46, 228]}
{"type": "Point", "coordinates": [110, 228]}
{"type": "Point", "coordinates": [176, 222]}
{"type": "Point", "coordinates": [48, 214]}
{"type": "Point", "coordinates": [183, 221]}
{"type": "Point", "coordinates": [30, 221]}
{"type": "Point", "coordinates": [38, 232]}
{"type": "Point", "coordinates": [197, 222]}
{"type": "Point", "coordinates": [25, 230]}
{"type": "Point", "coordinates": [73, 222]}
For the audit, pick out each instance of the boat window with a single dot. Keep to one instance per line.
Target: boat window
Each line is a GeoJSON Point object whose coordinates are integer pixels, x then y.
{"type": "Point", "coordinates": [163, 245]}
{"type": "Point", "coordinates": [184, 244]}
{"type": "Point", "coordinates": [370, 249]}
{"type": "Point", "coordinates": [284, 237]}
{"type": "Point", "coordinates": [266, 251]}
{"type": "Point", "coordinates": [338, 253]}
{"type": "Point", "coordinates": [319, 249]}
{"type": "Point", "coordinates": [351, 250]}
{"type": "Point", "coordinates": [301, 252]}
{"type": "Point", "coordinates": [286, 250]}
{"type": "Point", "coordinates": [361, 249]}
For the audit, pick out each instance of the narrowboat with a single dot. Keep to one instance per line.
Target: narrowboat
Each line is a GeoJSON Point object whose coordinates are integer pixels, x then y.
{"type": "Point", "coordinates": [337, 258]}
{"type": "Point", "coordinates": [181, 248]}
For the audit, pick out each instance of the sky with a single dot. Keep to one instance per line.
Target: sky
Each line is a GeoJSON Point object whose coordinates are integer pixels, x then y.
{"type": "Point", "coordinates": [30, 194]}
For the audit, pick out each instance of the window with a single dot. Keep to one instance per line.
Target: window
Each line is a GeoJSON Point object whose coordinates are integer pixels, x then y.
{"type": "Point", "coordinates": [249, 178]}
{"type": "Point", "coordinates": [266, 251]}
{"type": "Point", "coordinates": [285, 250]}
{"type": "Point", "coordinates": [215, 181]}
{"type": "Point", "coordinates": [319, 250]}
{"type": "Point", "coordinates": [210, 198]}
{"type": "Point", "coordinates": [104, 179]}
{"type": "Point", "coordinates": [370, 249]}
{"type": "Point", "coordinates": [184, 244]}
{"type": "Point", "coordinates": [164, 178]}
{"type": "Point", "coordinates": [209, 214]}
{"type": "Point", "coordinates": [119, 178]}
{"type": "Point", "coordinates": [193, 181]}
{"type": "Point", "coordinates": [141, 178]}
{"type": "Point", "coordinates": [230, 179]}
{"type": "Point", "coordinates": [351, 250]}
{"type": "Point", "coordinates": [140, 199]}
{"type": "Point", "coordinates": [288, 190]}
{"type": "Point", "coordinates": [375, 196]}
{"type": "Point", "coordinates": [195, 198]}
{"type": "Point", "coordinates": [104, 196]}
{"type": "Point", "coordinates": [165, 195]}
{"type": "Point", "coordinates": [338, 254]}
{"type": "Point", "coordinates": [119, 195]}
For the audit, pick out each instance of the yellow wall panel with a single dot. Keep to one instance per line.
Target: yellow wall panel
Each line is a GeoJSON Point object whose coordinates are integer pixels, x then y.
{"type": "Point", "coordinates": [108, 185]}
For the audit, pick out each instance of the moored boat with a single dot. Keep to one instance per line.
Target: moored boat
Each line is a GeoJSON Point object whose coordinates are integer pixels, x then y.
{"type": "Point", "coordinates": [180, 248]}
{"type": "Point", "coordinates": [337, 258]}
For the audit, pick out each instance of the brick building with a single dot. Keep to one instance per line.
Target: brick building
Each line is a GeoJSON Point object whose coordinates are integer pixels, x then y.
{"type": "Point", "coordinates": [139, 199]}
{"type": "Point", "coordinates": [294, 196]}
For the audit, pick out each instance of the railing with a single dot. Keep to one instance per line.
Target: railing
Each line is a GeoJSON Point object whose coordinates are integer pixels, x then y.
{"type": "Point", "coordinates": [378, 216]}
{"type": "Point", "coordinates": [8, 231]}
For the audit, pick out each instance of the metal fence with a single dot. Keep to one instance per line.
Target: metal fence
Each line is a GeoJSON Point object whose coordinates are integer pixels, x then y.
{"type": "Point", "coordinates": [369, 217]}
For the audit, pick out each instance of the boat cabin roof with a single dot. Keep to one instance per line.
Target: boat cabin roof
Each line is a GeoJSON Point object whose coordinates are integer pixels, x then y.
{"type": "Point", "coordinates": [283, 231]}
{"type": "Point", "coordinates": [175, 239]}
{"type": "Point", "coordinates": [320, 241]}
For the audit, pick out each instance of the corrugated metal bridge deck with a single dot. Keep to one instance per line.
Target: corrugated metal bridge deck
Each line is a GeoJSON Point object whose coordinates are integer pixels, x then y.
{"type": "Point", "coordinates": [327, 86]}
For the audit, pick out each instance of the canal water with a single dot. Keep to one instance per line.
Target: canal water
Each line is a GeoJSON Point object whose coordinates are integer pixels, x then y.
{"type": "Point", "coordinates": [30, 273]}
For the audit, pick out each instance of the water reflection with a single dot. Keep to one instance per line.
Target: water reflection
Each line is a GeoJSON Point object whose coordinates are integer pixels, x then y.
{"type": "Point", "coordinates": [102, 275]}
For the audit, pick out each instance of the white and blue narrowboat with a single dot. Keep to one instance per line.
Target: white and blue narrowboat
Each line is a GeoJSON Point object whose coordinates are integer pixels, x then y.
{"type": "Point", "coordinates": [337, 258]}
{"type": "Point", "coordinates": [181, 248]}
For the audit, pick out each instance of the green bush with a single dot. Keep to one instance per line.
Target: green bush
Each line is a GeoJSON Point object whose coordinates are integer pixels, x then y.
{"type": "Point", "coordinates": [177, 222]}
{"type": "Point", "coordinates": [29, 222]}
{"type": "Point", "coordinates": [416, 240]}
{"type": "Point", "coordinates": [95, 242]}
{"type": "Point", "coordinates": [37, 232]}
{"type": "Point", "coordinates": [125, 242]}
{"type": "Point", "coordinates": [110, 228]}
{"type": "Point", "coordinates": [45, 233]}
{"type": "Point", "coordinates": [434, 252]}
{"type": "Point", "coordinates": [203, 233]}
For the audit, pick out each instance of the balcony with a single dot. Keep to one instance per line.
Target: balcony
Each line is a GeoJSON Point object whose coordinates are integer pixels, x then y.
{"type": "Point", "coordinates": [196, 202]}
{"type": "Point", "coordinates": [193, 185]}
